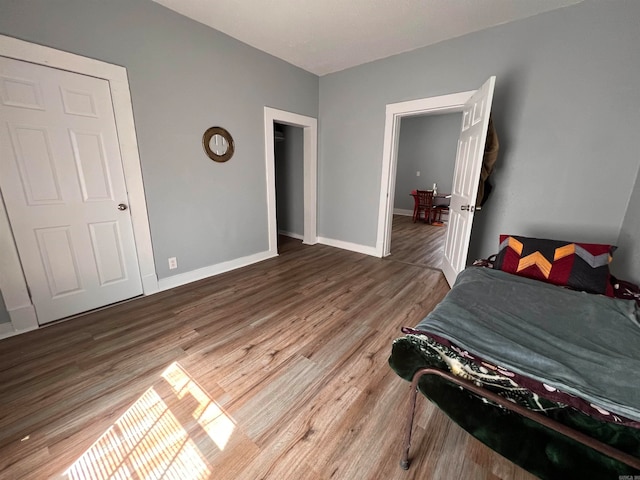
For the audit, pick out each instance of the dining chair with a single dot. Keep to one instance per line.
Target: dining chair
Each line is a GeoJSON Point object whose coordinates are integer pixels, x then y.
{"type": "Point", "coordinates": [440, 206]}
{"type": "Point", "coordinates": [423, 203]}
{"type": "Point", "coordinates": [438, 210]}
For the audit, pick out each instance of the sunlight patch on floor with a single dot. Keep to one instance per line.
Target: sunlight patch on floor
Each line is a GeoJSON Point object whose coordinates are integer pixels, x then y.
{"type": "Point", "coordinates": [150, 440]}
{"type": "Point", "coordinates": [208, 414]}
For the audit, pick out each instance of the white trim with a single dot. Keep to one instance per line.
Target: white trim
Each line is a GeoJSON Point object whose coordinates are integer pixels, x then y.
{"type": "Point", "coordinates": [354, 247]}
{"type": "Point", "coordinates": [23, 318]}
{"type": "Point", "coordinates": [13, 284]}
{"type": "Point", "coordinates": [211, 270]}
{"type": "Point", "coordinates": [403, 212]}
{"type": "Point", "coordinates": [297, 236]}
{"type": "Point", "coordinates": [6, 330]}
{"type": "Point", "coordinates": [394, 112]}
{"type": "Point", "coordinates": [310, 154]}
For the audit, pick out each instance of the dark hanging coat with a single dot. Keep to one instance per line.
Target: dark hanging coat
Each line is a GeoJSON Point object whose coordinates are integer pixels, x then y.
{"type": "Point", "coordinates": [488, 162]}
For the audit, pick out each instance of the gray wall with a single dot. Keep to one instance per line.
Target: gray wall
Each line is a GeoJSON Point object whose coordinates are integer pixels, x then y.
{"type": "Point", "coordinates": [290, 180]}
{"type": "Point", "coordinates": [626, 260]}
{"type": "Point", "coordinates": [566, 108]}
{"type": "Point", "coordinates": [427, 144]}
{"type": "Point", "coordinates": [184, 78]}
{"type": "Point", "coordinates": [4, 315]}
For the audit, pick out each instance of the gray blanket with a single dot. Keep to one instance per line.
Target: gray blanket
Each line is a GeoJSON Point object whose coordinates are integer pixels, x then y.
{"type": "Point", "coordinates": [583, 344]}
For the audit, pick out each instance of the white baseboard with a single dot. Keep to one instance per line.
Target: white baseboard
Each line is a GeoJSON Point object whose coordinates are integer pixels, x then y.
{"type": "Point", "coordinates": [409, 213]}
{"type": "Point", "coordinates": [354, 247]}
{"type": "Point", "coordinates": [291, 234]}
{"type": "Point", "coordinates": [211, 270]}
{"type": "Point", "coordinates": [23, 319]}
{"type": "Point", "coordinates": [6, 330]}
{"type": "Point", "coordinates": [150, 284]}
{"type": "Point", "coordinates": [402, 211]}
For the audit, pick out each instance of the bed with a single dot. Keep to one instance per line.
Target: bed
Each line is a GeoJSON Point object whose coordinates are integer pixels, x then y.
{"type": "Point", "coordinates": [546, 375]}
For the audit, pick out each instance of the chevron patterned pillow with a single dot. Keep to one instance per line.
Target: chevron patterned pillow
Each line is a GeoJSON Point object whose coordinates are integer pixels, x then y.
{"type": "Point", "coordinates": [580, 266]}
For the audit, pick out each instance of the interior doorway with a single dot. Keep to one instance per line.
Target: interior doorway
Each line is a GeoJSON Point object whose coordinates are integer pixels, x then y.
{"type": "Point", "coordinates": [476, 109]}
{"type": "Point", "coordinates": [64, 190]}
{"type": "Point", "coordinates": [309, 127]}
{"type": "Point", "coordinates": [13, 285]}
{"type": "Point", "coordinates": [289, 166]}
{"type": "Point", "coordinates": [426, 157]}
{"type": "Point", "coordinates": [395, 112]}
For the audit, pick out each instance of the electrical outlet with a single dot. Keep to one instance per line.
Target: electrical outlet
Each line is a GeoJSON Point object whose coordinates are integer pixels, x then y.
{"type": "Point", "coordinates": [173, 263]}
{"type": "Point", "coordinates": [418, 173]}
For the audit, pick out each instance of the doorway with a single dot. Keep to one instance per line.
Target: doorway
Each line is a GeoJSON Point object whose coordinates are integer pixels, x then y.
{"type": "Point", "coordinates": [12, 283]}
{"type": "Point", "coordinates": [427, 147]}
{"type": "Point", "coordinates": [309, 127]}
{"type": "Point", "coordinates": [394, 113]}
{"type": "Point", "coordinates": [289, 165]}
{"type": "Point", "coordinates": [476, 109]}
{"type": "Point", "coordinates": [64, 190]}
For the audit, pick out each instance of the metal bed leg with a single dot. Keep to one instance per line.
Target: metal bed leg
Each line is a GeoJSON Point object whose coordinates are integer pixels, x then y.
{"type": "Point", "coordinates": [404, 461]}
{"type": "Point", "coordinates": [580, 437]}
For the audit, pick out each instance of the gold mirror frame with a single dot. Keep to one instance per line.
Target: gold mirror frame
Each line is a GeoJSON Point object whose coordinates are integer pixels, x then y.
{"type": "Point", "coordinates": [206, 138]}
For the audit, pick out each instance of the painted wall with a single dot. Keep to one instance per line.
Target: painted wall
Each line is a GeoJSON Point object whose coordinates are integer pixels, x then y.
{"type": "Point", "coordinates": [626, 260]}
{"type": "Point", "coordinates": [4, 315]}
{"type": "Point", "coordinates": [566, 108]}
{"type": "Point", "coordinates": [289, 181]}
{"type": "Point", "coordinates": [427, 144]}
{"type": "Point", "coordinates": [184, 78]}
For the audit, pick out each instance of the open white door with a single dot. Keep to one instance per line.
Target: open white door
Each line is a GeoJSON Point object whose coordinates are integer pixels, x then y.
{"type": "Point", "coordinates": [473, 136]}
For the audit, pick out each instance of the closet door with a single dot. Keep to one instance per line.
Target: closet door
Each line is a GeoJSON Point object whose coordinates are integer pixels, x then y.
{"type": "Point", "coordinates": [63, 185]}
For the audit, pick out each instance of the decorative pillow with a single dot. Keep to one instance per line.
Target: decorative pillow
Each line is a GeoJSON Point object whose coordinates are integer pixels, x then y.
{"type": "Point", "coordinates": [581, 266]}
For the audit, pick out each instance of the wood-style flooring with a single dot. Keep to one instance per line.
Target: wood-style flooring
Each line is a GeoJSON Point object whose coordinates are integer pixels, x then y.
{"type": "Point", "coordinates": [417, 243]}
{"type": "Point", "coordinates": [274, 371]}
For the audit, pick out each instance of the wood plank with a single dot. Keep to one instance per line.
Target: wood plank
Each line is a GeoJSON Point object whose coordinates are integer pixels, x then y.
{"type": "Point", "coordinates": [274, 371]}
{"type": "Point", "coordinates": [417, 243]}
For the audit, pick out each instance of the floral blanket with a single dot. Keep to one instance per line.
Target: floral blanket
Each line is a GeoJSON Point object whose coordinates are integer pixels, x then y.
{"type": "Point", "coordinates": [532, 394]}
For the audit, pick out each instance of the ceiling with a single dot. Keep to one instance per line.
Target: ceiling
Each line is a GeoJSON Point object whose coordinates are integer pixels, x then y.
{"type": "Point", "coordinates": [326, 36]}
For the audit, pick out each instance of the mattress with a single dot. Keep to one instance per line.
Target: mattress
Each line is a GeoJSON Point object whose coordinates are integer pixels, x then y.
{"type": "Point", "coordinates": [547, 357]}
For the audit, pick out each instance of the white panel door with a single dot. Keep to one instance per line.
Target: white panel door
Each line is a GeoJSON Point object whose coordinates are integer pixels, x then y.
{"type": "Point", "coordinates": [473, 135]}
{"type": "Point", "coordinates": [63, 186]}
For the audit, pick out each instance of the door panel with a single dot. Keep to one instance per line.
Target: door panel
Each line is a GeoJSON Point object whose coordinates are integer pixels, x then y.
{"type": "Point", "coordinates": [78, 103]}
{"type": "Point", "coordinates": [105, 242]}
{"type": "Point", "coordinates": [62, 179]}
{"type": "Point", "coordinates": [38, 175]}
{"type": "Point", "coordinates": [470, 153]}
{"type": "Point", "coordinates": [57, 253]}
{"type": "Point", "coordinates": [90, 159]}
{"type": "Point", "coordinates": [19, 92]}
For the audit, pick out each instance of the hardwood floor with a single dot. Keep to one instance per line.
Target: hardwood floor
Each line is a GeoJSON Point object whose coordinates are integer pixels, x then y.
{"type": "Point", "coordinates": [274, 371]}
{"type": "Point", "coordinates": [417, 243]}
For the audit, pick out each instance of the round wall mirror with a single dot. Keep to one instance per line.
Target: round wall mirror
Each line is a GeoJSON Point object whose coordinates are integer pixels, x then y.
{"type": "Point", "coordinates": [218, 144]}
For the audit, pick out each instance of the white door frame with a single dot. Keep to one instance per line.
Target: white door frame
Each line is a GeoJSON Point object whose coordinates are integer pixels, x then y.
{"type": "Point", "coordinates": [310, 153]}
{"type": "Point", "coordinates": [451, 103]}
{"type": "Point", "coordinates": [12, 282]}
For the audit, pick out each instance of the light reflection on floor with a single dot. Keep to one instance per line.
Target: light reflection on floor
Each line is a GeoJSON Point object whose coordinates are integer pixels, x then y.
{"type": "Point", "coordinates": [149, 441]}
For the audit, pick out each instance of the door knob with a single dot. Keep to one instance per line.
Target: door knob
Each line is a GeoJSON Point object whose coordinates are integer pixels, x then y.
{"type": "Point", "coordinates": [470, 208]}
{"type": "Point", "coordinates": [122, 206]}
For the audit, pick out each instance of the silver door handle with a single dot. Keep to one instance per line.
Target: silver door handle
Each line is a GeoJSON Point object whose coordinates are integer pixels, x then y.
{"type": "Point", "coordinates": [122, 206]}
{"type": "Point", "coordinates": [470, 208]}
